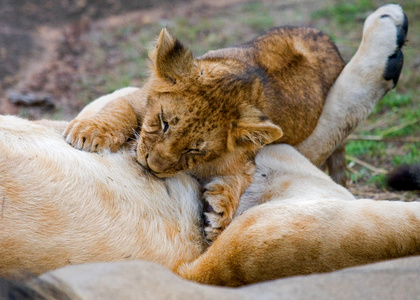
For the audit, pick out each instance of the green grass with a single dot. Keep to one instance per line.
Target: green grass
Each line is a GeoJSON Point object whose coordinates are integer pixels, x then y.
{"type": "Point", "coordinates": [411, 156]}
{"type": "Point", "coordinates": [392, 101]}
{"type": "Point", "coordinates": [362, 148]}
{"type": "Point", "coordinates": [397, 117]}
{"type": "Point", "coordinates": [345, 12]}
{"type": "Point", "coordinates": [256, 16]}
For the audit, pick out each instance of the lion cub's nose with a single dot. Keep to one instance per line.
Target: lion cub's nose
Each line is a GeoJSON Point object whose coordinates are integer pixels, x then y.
{"type": "Point", "coordinates": [158, 163]}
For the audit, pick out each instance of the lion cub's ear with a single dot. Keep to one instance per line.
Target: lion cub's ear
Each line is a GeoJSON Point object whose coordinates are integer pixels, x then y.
{"type": "Point", "coordinates": [253, 129]}
{"type": "Point", "coordinates": [170, 59]}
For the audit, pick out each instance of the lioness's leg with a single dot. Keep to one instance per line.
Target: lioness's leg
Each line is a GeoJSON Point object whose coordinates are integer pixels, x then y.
{"type": "Point", "coordinates": [371, 73]}
{"type": "Point", "coordinates": [107, 122]}
{"type": "Point", "coordinates": [276, 240]}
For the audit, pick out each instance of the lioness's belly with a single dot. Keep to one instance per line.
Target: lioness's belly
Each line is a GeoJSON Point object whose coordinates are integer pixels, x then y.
{"type": "Point", "coordinates": [61, 206]}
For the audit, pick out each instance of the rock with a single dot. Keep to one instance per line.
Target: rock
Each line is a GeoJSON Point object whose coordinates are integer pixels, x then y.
{"type": "Point", "coordinates": [31, 99]}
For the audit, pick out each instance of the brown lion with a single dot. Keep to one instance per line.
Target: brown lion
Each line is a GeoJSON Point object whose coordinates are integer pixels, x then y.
{"type": "Point", "coordinates": [210, 115]}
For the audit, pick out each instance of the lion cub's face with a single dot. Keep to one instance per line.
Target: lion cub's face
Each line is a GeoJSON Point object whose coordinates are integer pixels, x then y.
{"type": "Point", "coordinates": [198, 111]}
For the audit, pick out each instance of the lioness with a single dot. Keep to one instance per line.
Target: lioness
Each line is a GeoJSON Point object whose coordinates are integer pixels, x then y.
{"type": "Point", "coordinates": [61, 206]}
{"type": "Point", "coordinates": [209, 115]}
{"type": "Point", "coordinates": [299, 222]}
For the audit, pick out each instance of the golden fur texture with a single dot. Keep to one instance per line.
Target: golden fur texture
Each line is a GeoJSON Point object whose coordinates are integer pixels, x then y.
{"type": "Point", "coordinates": [62, 206]}
{"type": "Point", "coordinates": [209, 115]}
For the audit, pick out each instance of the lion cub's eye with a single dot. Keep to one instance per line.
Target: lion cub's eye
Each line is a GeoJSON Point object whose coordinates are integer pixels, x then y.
{"type": "Point", "coordinates": [165, 125]}
{"type": "Point", "coordinates": [192, 151]}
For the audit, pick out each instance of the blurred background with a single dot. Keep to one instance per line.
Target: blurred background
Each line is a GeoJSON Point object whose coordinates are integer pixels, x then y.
{"type": "Point", "coordinates": [58, 55]}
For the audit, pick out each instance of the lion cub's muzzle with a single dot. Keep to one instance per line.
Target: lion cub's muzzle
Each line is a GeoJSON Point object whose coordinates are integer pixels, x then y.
{"type": "Point", "coordinates": [160, 166]}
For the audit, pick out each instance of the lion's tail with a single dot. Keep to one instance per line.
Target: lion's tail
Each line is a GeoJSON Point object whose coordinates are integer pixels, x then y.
{"type": "Point", "coordinates": [405, 178]}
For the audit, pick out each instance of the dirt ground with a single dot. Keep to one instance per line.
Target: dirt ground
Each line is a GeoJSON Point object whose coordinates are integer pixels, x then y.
{"type": "Point", "coordinates": [52, 52]}
{"type": "Point", "coordinates": [40, 43]}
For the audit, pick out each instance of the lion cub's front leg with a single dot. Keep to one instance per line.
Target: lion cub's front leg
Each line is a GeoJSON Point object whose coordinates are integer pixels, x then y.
{"type": "Point", "coordinates": [103, 126]}
{"type": "Point", "coordinates": [221, 196]}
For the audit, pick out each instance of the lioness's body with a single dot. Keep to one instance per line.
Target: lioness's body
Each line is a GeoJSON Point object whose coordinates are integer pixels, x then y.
{"type": "Point", "coordinates": [294, 219]}
{"type": "Point", "coordinates": [61, 206]}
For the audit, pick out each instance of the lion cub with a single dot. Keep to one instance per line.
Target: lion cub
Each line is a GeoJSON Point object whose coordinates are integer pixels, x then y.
{"type": "Point", "coordinates": [210, 115]}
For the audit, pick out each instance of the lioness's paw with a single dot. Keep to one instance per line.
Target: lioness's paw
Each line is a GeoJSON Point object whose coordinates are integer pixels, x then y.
{"type": "Point", "coordinates": [93, 136]}
{"type": "Point", "coordinates": [384, 34]}
{"type": "Point", "coordinates": [219, 209]}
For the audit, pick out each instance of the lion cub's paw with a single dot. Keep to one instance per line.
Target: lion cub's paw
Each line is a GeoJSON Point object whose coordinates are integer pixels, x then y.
{"type": "Point", "coordinates": [93, 135]}
{"type": "Point", "coordinates": [219, 208]}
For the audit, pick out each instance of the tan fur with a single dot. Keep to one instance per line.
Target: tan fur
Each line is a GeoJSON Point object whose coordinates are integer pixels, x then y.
{"type": "Point", "coordinates": [62, 206]}
{"type": "Point", "coordinates": [209, 115]}
{"type": "Point", "coordinates": [314, 225]}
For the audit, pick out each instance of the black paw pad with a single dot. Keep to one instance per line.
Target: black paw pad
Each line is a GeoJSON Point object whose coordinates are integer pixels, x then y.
{"type": "Point", "coordinates": [402, 32]}
{"type": "Point", "coordinates": [208, 208]}
{"type": "Point", "coordinates": [393, 67]}
{"type": "Point", "coordinates": [206, 220]}
{"type": "Point", "coordinates": [396, 61]}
